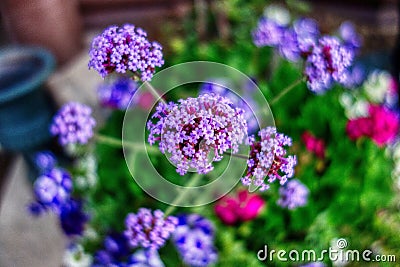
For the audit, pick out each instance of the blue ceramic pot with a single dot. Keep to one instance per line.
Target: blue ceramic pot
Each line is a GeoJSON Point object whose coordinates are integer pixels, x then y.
{"type": "Point", "coordinates": [25, 109]}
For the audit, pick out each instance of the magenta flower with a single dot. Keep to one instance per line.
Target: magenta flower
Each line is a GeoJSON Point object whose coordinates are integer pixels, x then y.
{"type": "Point", "coordinates": [313, 144]}
{"type": "Point", "coordinates": [196, 129]}
{"type": "Point", "coordinates": [381, 125]}
{"type": "Point", "coordinates": [268, 158]}
{"type": "Point", "coordinates": [239, 208]}
{"type": "Point", "coordinates": [385, 124]}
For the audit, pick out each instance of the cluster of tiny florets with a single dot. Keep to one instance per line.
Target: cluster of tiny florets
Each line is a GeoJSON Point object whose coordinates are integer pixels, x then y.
{"type": "Point", "coordinates": [327, 63]}
{"type": "Point", "coordinates": [197, 128]}
{"type": "Point", "coordinates": [293, 195]}
{"type": "Point", "coordinates": [268, 159]}
{"type": "Point", "coordinates": [149, 229]}
{"type": "Point", "coordinates": [123, 49]}
{"type": "Point", "coordinates": [53, 189]}
{"type": "Point", "coordinates": [73, 124]}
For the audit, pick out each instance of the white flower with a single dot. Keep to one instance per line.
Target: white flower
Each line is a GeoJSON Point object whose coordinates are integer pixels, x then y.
{"type": "Point", "coordinates": [278, 14]}
{"type": "Point", "coordinates": [376, 86]}
{"type": "Point", "coordinates": [75, 257]}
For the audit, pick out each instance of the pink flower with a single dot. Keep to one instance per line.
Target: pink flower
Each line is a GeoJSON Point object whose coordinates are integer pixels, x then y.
{"type": "Point", "coordinates": [313, 144]}
{"type": "Point", "coordinates": [381, 125]}
{"type": "Point", "coordinates": [385, 124]}
{"type": "Point", "coordinates": [359, 127]}
{"type": "Point", "coordinates": [242, 207]}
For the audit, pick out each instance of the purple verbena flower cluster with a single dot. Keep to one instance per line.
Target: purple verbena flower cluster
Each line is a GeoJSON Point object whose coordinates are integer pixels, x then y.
{"type": "Point", "coordinates": [349, 35]}
{"type": "Point", "coordinates": [118, 93]}
{"type": "Point", "coordinates": [149, 229]}
{"type": "Point", "coordinates": [52, 189]}
{"type": "Point", "coordinates": [73, 124]}
{"type": "Point", "coordinates": [268, 158]}
{"type": "Point", "coordinates": [327, 59]}
{"type": "Point", "coordinates": [293, 195]}
{"type": "Point", "coordinates": [194, 239]}
{"type": "Point", "coordinates": [123, 49]}
{"type": "Point", "coordinates": [292, 42]}
{"type": "Point", "coordinates": [221, 87]}
{"type": "Point", "coordinates": [327, 63]}
{"type": "Point", "coordinates": [196, 128]}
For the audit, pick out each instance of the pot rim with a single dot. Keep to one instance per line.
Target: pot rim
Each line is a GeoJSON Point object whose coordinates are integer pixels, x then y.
{"type": "Point", "coordinates": [34, 81]}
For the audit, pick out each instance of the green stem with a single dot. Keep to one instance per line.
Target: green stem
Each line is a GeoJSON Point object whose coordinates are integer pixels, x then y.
{"type": "Point", "coordinates": [115, 142]}
{"type": "Point", "coordinates": [285, 91]}
{"type": "Point", "coordinates": [152, 90]}
{"type": "Point", "coordinates": [182, 196]}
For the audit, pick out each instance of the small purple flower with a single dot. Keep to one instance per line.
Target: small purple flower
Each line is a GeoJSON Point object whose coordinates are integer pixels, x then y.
{"type": "Point", "coordinates": [118, 93]}
{"type": "Point", "coordinates": [196, 128]}
{"type": "Point", "coordinates": [73, 124]}
{"type": "Point", "coordinates": [267, 33]}
{"type": "Point", "coordinates": [327, 63]}
{"type": "Point", "coordinates": [194, 240]}
{"type": "Point", "coordinates": [351, 39]}
{"type": "Point", "coordinates": [268, 158]}
{"type": "Point", "coordinates": [289, 45]}
{"type": "Point", "coordinates": [123, 49]}
{"type": "Point", "coordinates": [53, 189]}
{"type": "Point", "coordinates": [221, 87]}
{"type": "Point", "coordinates": [115, 250]}
{"type": "Point", "coordinates": [293, 195]}
{"type": "Point", "coordinates": [307, 34]}
{"type": "Point", "coordinates": [45, 161]}
{"type": "Point", "coordinates": [145, 258]}
{"type": "Point", "coordinates": [73, 218]}
{"type": "Point", "coordinates": [149, 229]}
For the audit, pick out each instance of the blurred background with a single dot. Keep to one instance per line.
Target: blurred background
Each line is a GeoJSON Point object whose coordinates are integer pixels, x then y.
{"type": "Point", "coordinates": [64, 29]}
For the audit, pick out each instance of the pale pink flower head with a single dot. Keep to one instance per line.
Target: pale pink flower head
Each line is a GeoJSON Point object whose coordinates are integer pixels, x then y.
{"type": "Point", "coordinates": [239, 208]}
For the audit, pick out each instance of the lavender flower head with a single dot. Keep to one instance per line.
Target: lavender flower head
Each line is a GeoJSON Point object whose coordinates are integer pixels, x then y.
{"type": "Point", "coordinates": [293, 195]}
{"type": "Point", "coordinates": [73, 124]}
{"type": "Point", "coordinates": [267, 33]}
{"type": "Point", "coordinates": [123, 49]}
{"type": "Point", "coordinates": [307, 33]}
{"type": "Point", "coordinates": [53, 189]}
{"type": "Point", "coordinates": [327, 63]}
{"type": "Point", "coordinates": [268, 158]}
{"type": "Point", "coordinates": [118, 93]}
{"type": "Point", "coordinates": [221, 87]}
{"type": "Point", "coordinates": [349, 35]}
{"type": "Point", "coordinates": [194, 240]}
{"type": "Point", "coordinates": [45, 161]}
{"type": "Point", "coordinates": [196, 128]}
{"type": "Point", "coordinates": [149, 230]}
{"type": "Point", "coordinates": [115, 250]}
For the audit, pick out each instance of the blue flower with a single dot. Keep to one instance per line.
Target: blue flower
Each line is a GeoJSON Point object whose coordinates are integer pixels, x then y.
{"type": "Point", "coordinates": [194, 240]}
{"type": "Point", "coordinates": [73, 218]}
